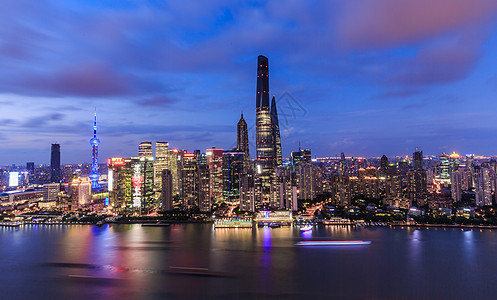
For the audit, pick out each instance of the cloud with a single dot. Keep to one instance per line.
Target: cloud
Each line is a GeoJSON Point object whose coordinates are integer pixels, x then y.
{"type": "Point", "coordinates": [388, 23]}
{"type": "Point", "coordinates": [38, 122]}
{"type": "Point", "coordinates": [394, 94]}
{"type": "Point", "coordinates": [90, 80]}
{"type": "Point", "coordinates": [160, 100]}
{"type": "Point", "coordinates": [6, 122]}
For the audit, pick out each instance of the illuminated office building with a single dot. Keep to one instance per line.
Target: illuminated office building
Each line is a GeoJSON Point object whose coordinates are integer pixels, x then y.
{"type": "Point", "coordinates": [483, 186]}
{"type": "Point", "coordinates": [120, 185]}
{"type": "Point", "coordinates": [173, 162]}
{"type": "Point", "coordinates": [285, 189]}
{"type": "Point", "coordinates": [80, 191]}
{"type": "Point", "coordinates": [50, 191]}
{"type": "Point", "coordinates": [160, 164]}
{"type": "Point", "coordinates": [443, 174]}
{"type": "Point", "coordinates": [417, 157]}
{"type": "Point", "coordinates": [131, 185]}
{"type": "Point", "coordinates": [215, 163]}
{"type": "Point", "coordinates": [247, 191]}
{"type": "Point", "coordinates": [145, 150]}
{"type": "Point", "coordinates": [142, 178]}
{"type": "Point", "coordinates": [204, 199]}
{"type": "Point", "coordinates": [456, 185]}
{"type": "Point", "coordinates": [189, 181]}
{"type": "Point", "coordinates": [233, 168]}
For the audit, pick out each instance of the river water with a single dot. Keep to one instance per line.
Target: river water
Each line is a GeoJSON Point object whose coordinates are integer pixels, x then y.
{"type": "Point", "coordinates": [195, 261]}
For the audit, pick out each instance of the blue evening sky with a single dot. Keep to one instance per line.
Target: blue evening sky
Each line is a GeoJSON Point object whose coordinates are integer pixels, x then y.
{"type": "Point", "coordinates": [362, 77]}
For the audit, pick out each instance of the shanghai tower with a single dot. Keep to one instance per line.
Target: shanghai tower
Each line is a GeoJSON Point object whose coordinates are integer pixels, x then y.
{"type": "Point", "coordinates": [264, 131]}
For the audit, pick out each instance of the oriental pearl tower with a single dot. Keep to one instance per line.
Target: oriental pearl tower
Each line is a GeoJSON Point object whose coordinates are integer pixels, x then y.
{"type": "Point", "coordinates": [94, 142]}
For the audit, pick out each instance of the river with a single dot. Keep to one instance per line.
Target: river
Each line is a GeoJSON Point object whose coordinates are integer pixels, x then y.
{"type": "Point", "coordinates": [195, 261]}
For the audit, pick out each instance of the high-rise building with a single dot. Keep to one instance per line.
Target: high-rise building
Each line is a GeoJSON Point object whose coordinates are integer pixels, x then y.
{"type": "Point", "coordinates": [189, 181]}
{"type": "Point", "coordinates": [343, 164]}
{"type": "Point", "coordinates": [276, 134]}
{"type": "Point", "coordinates": [264, 132]}
{"type": "Point", "coordinates": [417, 186]}
{"type": "Point", "coordinates": [204, 199]}
{"type": "Point", "coordinates": [142, 178]}
{"type": "Point", "coordinates": [456, 186]}
{"type": "Point", "coordinates": [303, 156]}
{"type": "Point", "coordinates": [247, 191]}
{"type": "Point", "coordinates": [94, 142]}
{"type": "Point", "coordinates": [443, 173]}
{"type": "Point", "coordinates": [120, 184]}
{"type": "Point", "coordinates": [145, 150]}
{"type": "Point", "coordinates": [55, 163]}
{"type": "Point", "coordinates": [80, 191]}
{"type": "Point", "coordinates": [233, 168]}
{"type": "Point", "coordinates": [215, 163]}
{"type": "Point", "coordinates": [167, 190]}
{"type": "Point", "coordinates": [160, 164]}
{"type": "Point", "coordinates": [286, 188]}
{"type": "Point", "coordinates": [417, 157]}
{"type": "Point", "coordinates": [308, 181]}
{"type": "Point", "coordinates": [173, 162]}
{"type": "Point", "coordinates": [483, 186]}
{"type": "Point", "coordinates": [50, 191]}
{"type": "Point", "coordinates": [30, 167]}
{"type": "Point", "coordinates": [242, 142]}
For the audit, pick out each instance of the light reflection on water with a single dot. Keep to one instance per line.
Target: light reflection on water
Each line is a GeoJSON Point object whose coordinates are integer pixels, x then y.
{"type": "Point", "coordinates": [131, 261]}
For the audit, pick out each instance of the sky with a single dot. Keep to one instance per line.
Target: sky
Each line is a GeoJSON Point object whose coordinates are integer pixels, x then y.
{"type": "Point", "coordinates": [362, 77]}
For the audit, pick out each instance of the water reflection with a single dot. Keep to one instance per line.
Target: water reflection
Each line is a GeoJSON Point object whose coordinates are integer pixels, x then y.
{"type": "Point", "coordinates": [184, 261]}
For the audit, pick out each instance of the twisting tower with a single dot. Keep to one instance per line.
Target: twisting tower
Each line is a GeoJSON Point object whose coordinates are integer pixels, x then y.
{"type": "Point", "coordinates": [94, 142]}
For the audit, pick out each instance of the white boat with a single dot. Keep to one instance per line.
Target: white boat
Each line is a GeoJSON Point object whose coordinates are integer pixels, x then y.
{"type": "Point", "coordinates": [306, 228]}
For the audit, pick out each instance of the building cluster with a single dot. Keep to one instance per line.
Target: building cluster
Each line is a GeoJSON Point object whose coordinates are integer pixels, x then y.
{"type": "Point", "coordinates": [162, 178]}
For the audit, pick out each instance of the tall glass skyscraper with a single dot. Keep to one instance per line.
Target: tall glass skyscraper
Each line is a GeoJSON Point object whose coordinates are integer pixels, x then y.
{"type": "Point", "coordinates": [55, 163]}
{"type": "Point", "coordinates": [264, 131]}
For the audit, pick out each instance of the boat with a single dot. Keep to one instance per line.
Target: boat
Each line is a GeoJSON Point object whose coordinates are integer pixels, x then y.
{"type": "Point", "coordinates": [10, 224]}
{"type": "Point", "coordinates": [158, 224]}
{"type": "Point", "coordinates": [233, 223]}
{"type": "Point", "coordinates": [274, 225]}
{"type": "Point", "coordinates": [306, 228]}
{"type": "Point", "coordinates": [333, 243]}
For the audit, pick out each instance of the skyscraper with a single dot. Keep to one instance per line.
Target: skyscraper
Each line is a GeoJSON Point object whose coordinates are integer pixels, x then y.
{"type": "Point", "coordinates": [242, 143]}
{"type": "Point", "coordinates": [215, 163]}
{"type": "Point", "coordinates": [94, 142]}
{"type": "Point", "coordinates": [233, 168]}
{"type": "Point", "coordinates": [276, 134]}
{"type": "Point", "coordinates": [167, 190]}
{"type": "Point", "coordinates": [264, 131]}
{"type": "Point", "coordinates": [160, 164]}
{"type": "Point", "coordinates": [145, 150]}
{"type": "Point", "coordinates": [55, 163]}
{"type": "Point", "coordinates": [418, 159]}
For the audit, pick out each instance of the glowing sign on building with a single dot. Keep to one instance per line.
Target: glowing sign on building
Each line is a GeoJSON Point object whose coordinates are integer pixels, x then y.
{"type": "Point", "coordinates": [116, 161]}
{"type": "Point", "coordinates": [13, 178]}
{"type": "Point", "coordinates": [137, 185]}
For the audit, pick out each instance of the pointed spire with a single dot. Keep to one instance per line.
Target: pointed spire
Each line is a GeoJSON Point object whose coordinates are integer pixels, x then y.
{"type": "Point", "coordinates": [276, 133]}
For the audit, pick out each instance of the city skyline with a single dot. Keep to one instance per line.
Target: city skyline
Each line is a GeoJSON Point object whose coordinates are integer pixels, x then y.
{"type": "Point", "coordinates": [358, 86]}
